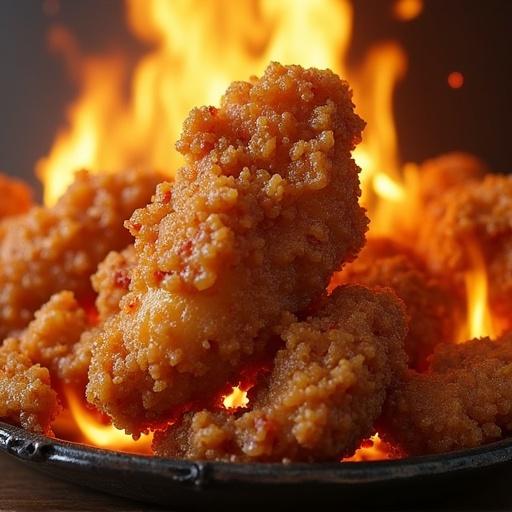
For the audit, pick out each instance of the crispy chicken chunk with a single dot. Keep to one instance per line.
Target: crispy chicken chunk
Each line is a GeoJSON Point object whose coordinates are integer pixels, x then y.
{"type": "Point", "coordinates": [463, 401]}
{"type": "Point", "coordinates": [325, 391]}
{"type": "Point", "coordinates": [48, 250]}
{"type": "Point", "coordinates": [433, 308]}
{"type": "Point", "coordinates": [26, 396]}
{"type": "Point", "coordinates": [16, 197]}
{"type": "Point", "coordinates": [470, 227]}
{"type": "Point", "coordinates": [254, 225]}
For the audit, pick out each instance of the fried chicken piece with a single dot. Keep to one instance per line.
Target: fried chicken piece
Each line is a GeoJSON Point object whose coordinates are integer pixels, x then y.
{"type": "Point", "coordinates": [16, 197]}
{"type": "Point", "coordinates": [26, 396]}
{"type": "Point", "coordinates": [325, 391]}
{"type": "Point", "coordinates": [433, 308]}
{"type": "Point", "coordinates": [52, 249]}
{"type": "Point", "coordinates": [112, 280]}
{"type": "Point", "coordinates": [254, 225]}
{"type": "Point", "coordinates": [437, 175]}
{"type": "Point", "coordinates": [470, 226]}
{"type": "Point", "coordinates": [463, 401]}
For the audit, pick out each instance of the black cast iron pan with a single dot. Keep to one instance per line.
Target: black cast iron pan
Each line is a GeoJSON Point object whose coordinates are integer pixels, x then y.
{"type": "Point", "coordinates": [188, 484]}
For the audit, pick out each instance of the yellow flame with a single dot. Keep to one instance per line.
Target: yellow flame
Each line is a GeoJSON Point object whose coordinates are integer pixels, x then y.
{"type": "Point", "coordinates": [479, 319]}
{"type": "Point", "coordinates": [100, 435]}
{"type": "Point", "coordinates": [236, 399]}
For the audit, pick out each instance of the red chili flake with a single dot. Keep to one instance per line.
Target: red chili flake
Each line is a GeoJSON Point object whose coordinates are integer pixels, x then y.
{"type": "Point", "coordinates": [186, 248]}
{"type": "Point", "coordinates": [213, 111]}
{"type": "Point", "coordinates": [159, 275]}
{"type": "Point", "coordinates": [133, 304]}
{"type": "Point", "coordinates": [122, 279]}
{"type": "Point", "coordinates": [135, 226]}
{"type": "Point", "coordinates": [166, 199]}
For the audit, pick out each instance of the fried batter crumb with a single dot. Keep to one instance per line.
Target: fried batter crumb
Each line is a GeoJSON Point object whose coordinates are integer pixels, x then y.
{"type": "Point", "coordinates": [325, 391]}
{"type": "Point", "coordinates": [26, 396]}
{"type": "Point", "coordinates": [263, 212]}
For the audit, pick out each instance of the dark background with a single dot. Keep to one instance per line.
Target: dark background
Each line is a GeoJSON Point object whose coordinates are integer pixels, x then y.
{"type": "Point", "coordinates": [470, 36]}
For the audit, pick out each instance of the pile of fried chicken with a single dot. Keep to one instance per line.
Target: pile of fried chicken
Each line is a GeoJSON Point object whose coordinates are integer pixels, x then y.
{"type": "Point", "coordinates": [251, 268]}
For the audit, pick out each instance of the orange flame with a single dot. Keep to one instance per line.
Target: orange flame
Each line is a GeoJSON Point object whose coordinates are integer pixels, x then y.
{"type": "Point", "coordinates": [102, 435]}
{"type": "Point", "coordinates": [479, 319]}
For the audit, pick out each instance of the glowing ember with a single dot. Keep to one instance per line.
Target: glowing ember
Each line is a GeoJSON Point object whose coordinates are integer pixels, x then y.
{"type": "Point", "coordinates": [236, 399]}
{"type": "Point", "coordinates": [407, 10]}
{"type": "Point", "coordinates": [455, 80]}
{"type": "Point", "coordinates": [373, 449]}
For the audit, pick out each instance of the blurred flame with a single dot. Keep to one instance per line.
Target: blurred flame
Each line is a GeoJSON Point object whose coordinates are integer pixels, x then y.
{"type": "Point", "coordinates": [236, 399]}
{"type": "Point", "coordinates": [407, 10]}
{"type": "Point", "coordinates": [479, 319]}
{"type": "Point", "coordinates": [103, 436]}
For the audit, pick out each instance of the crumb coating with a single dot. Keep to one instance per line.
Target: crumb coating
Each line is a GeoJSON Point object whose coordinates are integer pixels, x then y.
{"type": "Point", "coordinates": [264, 211]}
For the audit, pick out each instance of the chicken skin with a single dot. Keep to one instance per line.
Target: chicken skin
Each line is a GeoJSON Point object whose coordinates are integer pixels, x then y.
{"type": "Point", "coordinates": [265, 209]}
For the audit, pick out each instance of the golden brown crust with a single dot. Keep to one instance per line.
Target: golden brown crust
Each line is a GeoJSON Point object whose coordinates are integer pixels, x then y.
{"type": "Point", "coordinates": [325, 391]}
{"type": "Point", "coordinates": [26, 396]}
{"type": "Point", "coordinates": [475, 217]}
{"type": "Point", "coordinates": [432, 306]}
{"type": "Point", "coordinates": [465, 400]}
{"type": "Point", "coordinates": [52, 249]}
{"type": "Point", "coordinates": [16, 197]}
{"type": "Point", "coordinates": [253, 226]}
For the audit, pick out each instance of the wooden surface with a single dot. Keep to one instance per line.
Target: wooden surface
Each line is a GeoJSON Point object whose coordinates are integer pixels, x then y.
{"type": "Point", "coordinates": [22, 489]}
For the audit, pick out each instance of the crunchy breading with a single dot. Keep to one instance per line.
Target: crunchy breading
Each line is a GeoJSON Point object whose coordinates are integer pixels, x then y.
{"type": "Point", "coordinates": [255, 223]}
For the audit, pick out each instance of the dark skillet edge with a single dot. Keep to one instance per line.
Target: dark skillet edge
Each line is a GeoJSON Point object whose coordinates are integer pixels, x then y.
{"type": "Point", "coordinates": [39, 449]}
